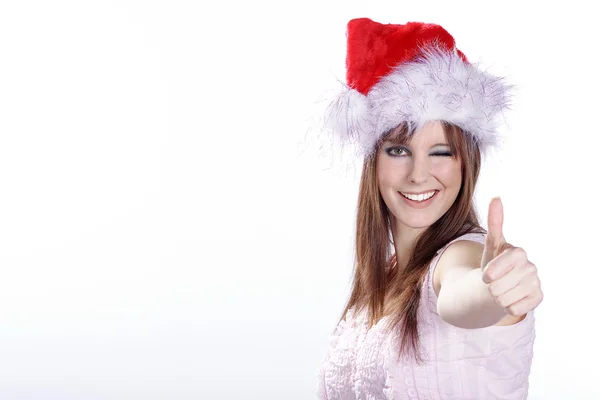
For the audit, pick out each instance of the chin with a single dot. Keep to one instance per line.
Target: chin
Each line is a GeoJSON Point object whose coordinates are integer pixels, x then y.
{"type": "Point", "coordinates": [417, 223]}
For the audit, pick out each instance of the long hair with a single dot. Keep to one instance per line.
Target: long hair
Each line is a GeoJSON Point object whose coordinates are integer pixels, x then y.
{"type": "Point", "coordinates": [374, 278]}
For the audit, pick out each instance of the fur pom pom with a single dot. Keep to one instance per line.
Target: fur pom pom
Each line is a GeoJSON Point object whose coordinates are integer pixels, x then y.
{"type": "Point", "coordinates": [348, 117]}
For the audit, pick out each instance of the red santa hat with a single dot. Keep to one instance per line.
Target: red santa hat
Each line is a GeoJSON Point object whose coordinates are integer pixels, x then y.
{"type": "Point", "coordinates": [412, 73]}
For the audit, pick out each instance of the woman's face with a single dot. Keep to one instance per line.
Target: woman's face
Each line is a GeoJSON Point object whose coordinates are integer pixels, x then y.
{"type": "Point", "coordinates": [422, 166]}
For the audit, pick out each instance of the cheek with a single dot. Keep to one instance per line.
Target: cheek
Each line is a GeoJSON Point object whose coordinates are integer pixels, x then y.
{"type": "Point", "coordinates": [388, 177]}
{"type": "Point", "coordinates": [449, 174]}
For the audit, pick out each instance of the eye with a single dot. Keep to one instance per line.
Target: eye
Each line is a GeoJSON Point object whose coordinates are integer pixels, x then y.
{"type": "Point", "coordinates": [446, 154]}
{"type": "Point", "coordinates": [394, 151]}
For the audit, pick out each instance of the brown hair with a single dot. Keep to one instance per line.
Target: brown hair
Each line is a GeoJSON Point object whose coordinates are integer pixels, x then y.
{"type": "Point", "coordinates": [374, 278]}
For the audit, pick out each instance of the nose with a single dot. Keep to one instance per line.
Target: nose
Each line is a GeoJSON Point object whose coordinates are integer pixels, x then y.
{"type": "Point", "coordinates": [420, 170]}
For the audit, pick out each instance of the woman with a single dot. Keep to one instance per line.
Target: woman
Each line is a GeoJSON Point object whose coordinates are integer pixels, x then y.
{"type": "Point", "coordinates": [440, 307]}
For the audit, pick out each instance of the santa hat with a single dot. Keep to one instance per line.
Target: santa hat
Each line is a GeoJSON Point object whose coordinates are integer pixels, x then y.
{"type": "Point", "coordinates": [412, 73]}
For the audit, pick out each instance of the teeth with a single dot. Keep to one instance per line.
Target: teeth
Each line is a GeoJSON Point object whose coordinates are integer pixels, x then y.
{"type": "Point", "coordinates": [420, 197]}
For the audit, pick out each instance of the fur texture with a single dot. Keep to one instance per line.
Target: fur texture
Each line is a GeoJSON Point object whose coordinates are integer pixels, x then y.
{"type": "Point", "coordinates": [436, 84]}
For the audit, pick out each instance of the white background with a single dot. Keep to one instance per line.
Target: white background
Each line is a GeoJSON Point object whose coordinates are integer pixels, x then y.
{"type": "Point", "coordinates": [167, 231]}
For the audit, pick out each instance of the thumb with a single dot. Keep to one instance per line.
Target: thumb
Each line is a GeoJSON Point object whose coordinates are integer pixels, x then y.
{"type": "Point", "coordinates": [494, 241]}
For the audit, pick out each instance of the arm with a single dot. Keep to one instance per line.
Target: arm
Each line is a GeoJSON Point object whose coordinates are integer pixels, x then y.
{"type": "Point", "coordinates": [464, 300]}
{"type": "Point", "coordinates": [467, 302]}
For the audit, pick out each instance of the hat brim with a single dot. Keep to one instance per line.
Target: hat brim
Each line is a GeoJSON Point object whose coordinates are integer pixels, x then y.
{"type": "Point", "coordinates": [437, 86]}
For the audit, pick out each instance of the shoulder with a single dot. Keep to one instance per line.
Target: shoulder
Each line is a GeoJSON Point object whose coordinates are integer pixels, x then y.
{"type": "Point", "coordinates": [456, 259]}
{"type": "Point", "coordinates": [458, 256]}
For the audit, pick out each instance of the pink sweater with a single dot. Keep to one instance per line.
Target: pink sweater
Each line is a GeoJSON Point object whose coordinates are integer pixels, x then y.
{"type": "Point", "coordinates": [478, 364]}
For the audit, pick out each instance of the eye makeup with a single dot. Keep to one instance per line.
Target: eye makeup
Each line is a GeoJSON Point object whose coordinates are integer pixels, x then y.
{"type": "Point", "coordinates": [391, 151]}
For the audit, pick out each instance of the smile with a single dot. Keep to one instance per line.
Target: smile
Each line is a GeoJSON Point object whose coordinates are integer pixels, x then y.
{"type": "Point", "coordinates": [420, 201]}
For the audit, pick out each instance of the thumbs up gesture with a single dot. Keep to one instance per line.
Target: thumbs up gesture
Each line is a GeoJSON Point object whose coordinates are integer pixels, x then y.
{"type": "Point", "coordinates": [512, 279]}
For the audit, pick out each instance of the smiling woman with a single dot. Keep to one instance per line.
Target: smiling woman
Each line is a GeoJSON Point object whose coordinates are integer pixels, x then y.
{"type": "Point", "coordinates": [422, 117]}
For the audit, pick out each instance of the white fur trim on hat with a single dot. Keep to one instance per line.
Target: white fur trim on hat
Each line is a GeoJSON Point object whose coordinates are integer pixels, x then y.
{"type": "Point", "coordinates": [438, 86]}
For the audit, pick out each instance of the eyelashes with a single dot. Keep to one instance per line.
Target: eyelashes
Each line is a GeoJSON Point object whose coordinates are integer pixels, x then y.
{"type": "Point", "coordinates": [391, 152]}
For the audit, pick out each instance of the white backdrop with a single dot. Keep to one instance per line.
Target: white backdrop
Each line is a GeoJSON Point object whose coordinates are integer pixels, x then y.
{"type": "Point", "coordinates": [167, 231]}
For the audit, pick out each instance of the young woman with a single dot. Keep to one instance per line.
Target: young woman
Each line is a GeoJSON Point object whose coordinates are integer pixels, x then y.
{"type": "Point", "coordinates": [440, 308]}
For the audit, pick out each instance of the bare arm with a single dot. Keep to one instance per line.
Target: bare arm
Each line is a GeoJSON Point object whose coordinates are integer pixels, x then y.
{"type": "Point", "coordinates": [464, 300]}
{"type": "Point", "coordinates": [467, 303]}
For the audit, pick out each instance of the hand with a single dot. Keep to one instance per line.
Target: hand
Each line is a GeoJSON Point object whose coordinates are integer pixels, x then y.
{"type": "Point", "coordinates": [512, 279]}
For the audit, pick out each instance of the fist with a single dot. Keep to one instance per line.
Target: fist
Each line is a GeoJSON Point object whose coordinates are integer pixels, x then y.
{"type": "Point", "coordinates": [512, 279]}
